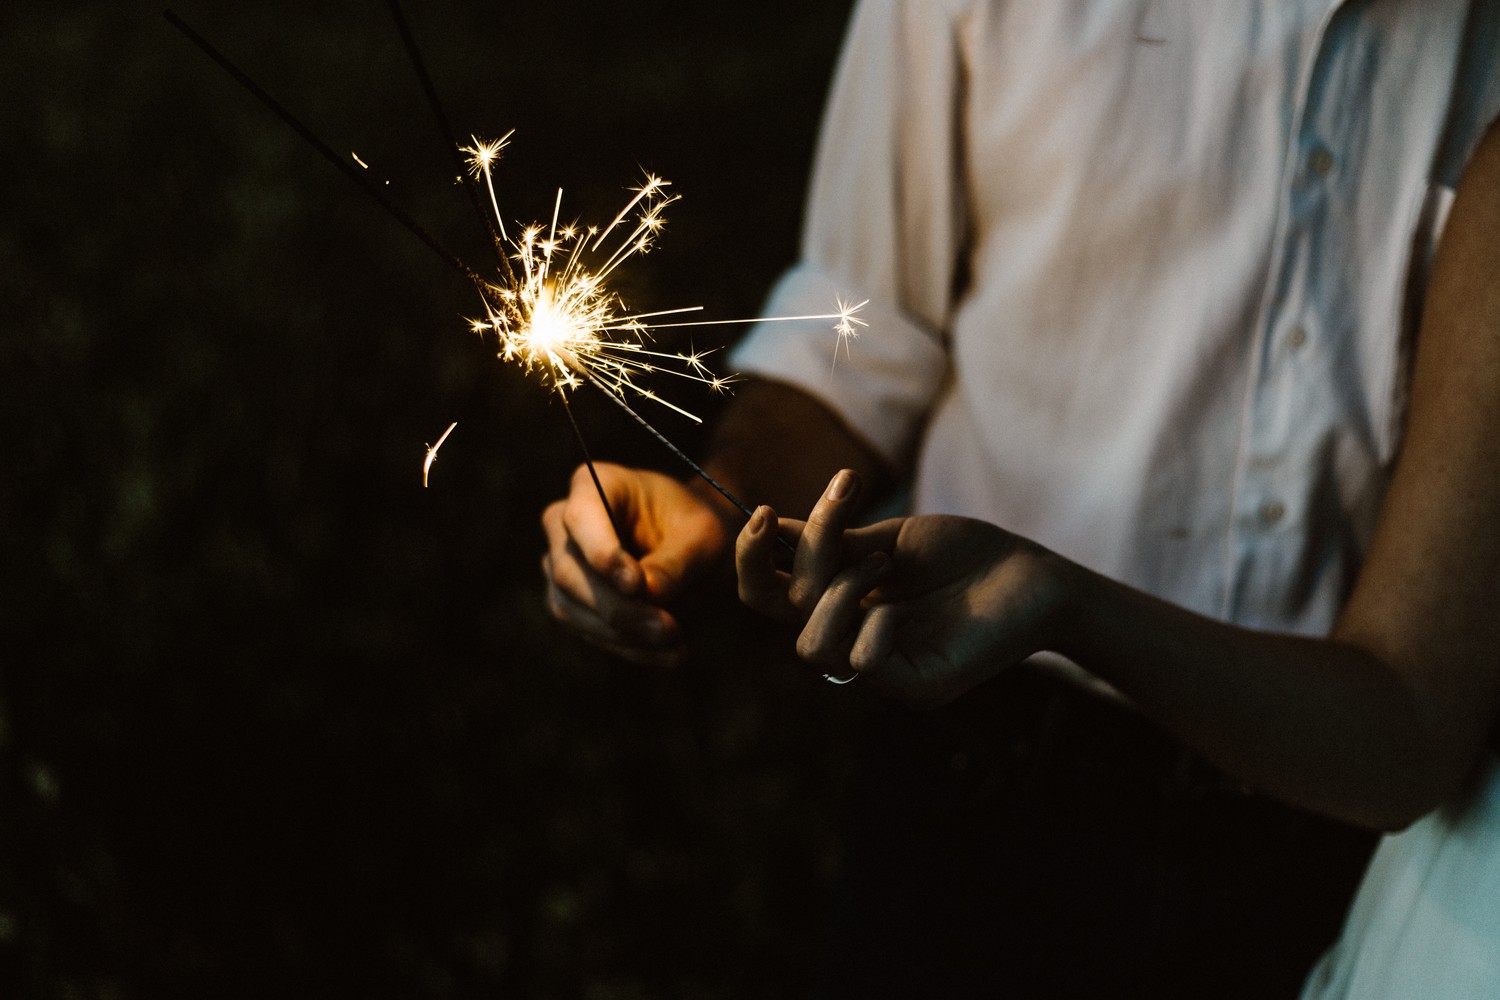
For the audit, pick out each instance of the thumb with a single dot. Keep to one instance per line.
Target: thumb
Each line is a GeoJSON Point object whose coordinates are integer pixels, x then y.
{"type": "Point", "coordinates": [695, 541]}
{"type": "Point", "coordinates": [663, 578]}
{"type": "Point", "coordinates": [673, 564]}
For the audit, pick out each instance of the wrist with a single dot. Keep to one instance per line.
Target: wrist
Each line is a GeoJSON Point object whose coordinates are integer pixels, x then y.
{"type": "Point", "coordinates": [716, 502]}
{"type": "Point", "coordinates": [727, 519]}
{"type": "Point", "coordinates": [1064, 591]}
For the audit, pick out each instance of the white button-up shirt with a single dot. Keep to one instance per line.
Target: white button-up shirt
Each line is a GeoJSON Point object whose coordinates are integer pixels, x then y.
{"type": "Point", "coordinates": [1143, 274]}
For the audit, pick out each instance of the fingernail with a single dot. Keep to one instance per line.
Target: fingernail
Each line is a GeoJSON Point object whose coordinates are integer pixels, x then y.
{"type": "Point", "coordinates": [842, 486]}
{"type": "Point", "coordinates": [757, 521]}
{"type": "Point", "coordinates": [625, 577]}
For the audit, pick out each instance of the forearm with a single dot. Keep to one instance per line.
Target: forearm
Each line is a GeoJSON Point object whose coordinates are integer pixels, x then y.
{"type": "Point", "coordinates": [1388, 717]}
{"type": "Point", "coordinates": [1320, 723]}
{"type": "Point", "coordinates": [776, 445]}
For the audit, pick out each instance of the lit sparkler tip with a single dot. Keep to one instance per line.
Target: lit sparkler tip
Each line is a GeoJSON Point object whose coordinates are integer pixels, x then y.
{"type": "Point", "coordinates": [847, 325]}
{"type": "Point", "coordinates": [651, 184]}
{"type": "Point", "coordinates": [432, 451]}
{"type": "Point", "coordinates": [847, 318]}
{"type": "Point", "coordinates": [483, 154]}
{"type": "Point", "coordinates": [556, 316]}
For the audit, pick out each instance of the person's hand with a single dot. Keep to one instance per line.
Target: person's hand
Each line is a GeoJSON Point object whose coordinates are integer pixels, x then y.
{"type": "Point", "coordinates": [924, 607]}
{"type": "Point", "coordinates": [617, 599]}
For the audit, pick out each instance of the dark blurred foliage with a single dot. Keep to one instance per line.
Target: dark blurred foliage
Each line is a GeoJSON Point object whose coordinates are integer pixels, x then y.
{"type": "Point", "coordinates": [276, 720]}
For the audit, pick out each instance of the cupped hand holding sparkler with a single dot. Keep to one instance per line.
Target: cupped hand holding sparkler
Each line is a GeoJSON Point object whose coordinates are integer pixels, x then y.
{"type": "Point", "coordinates": [618, 599]}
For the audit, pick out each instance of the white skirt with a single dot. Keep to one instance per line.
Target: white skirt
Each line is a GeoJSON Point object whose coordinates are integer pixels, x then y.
{"type": "Point", "coordinates": [1426, 921]}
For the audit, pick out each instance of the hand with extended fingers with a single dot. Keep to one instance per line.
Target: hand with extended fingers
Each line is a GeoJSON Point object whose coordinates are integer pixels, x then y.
{"type": "Point", "coordinates": [924, 607]}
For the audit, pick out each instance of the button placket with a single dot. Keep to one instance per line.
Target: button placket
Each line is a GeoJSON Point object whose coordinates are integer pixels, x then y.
{"type": "Point", "coordinates": [1263, 510]}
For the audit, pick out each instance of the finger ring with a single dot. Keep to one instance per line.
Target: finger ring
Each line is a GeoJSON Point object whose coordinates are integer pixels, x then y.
{"type": "Point", "coordinates": [841, 680]}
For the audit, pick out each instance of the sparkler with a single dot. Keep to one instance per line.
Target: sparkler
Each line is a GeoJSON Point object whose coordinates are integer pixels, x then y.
{"type": "Point", "coordinates": [432, 451]}
{"type": "Point", "coordinates": [848, 325]}
{"type": "Point", "coordinates": [550, 306]}
{"type": "Point", "coordinates": [557, 314]}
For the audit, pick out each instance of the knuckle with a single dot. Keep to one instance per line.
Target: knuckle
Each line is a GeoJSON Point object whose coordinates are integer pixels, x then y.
{"type": "Point", "coordinates": [819, 649]}
{"type": "Point", "coordinates": [801, 596]}
{"type": "Point", "coordinates": [861, 660]}
{"type": "Point", "coordinates": [744, 548]}
{"type": "Point", "coordinates": [808, 648]}
{"type": "Point", "coordinates": [552, 516]}
{"type": "Point", "coordinates": [818, 524]}
{"type": "Point", "coordinates": [561, 572]}
{"type": "Point", "coordinates": [567, 517]}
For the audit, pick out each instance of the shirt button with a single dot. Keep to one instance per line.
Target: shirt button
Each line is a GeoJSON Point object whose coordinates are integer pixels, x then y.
{"type": "Point", "coordinates": [1271, 512]}
{"type": "Point", "coordinates": [1321, 162]}
{"type": "Point", "coordinates": [1296, 338]}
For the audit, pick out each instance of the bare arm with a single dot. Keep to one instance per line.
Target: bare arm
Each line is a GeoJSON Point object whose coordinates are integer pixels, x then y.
{"type": "Point", "coordinates": [779, 445]}
{"type": "Point", "coordinates": [1376, 724]}
{"type": "Point", "coordinates": [1387, 718]}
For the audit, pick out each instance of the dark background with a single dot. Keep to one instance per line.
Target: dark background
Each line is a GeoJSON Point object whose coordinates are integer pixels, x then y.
{"type": "Point", "coordinates": [274, 720]}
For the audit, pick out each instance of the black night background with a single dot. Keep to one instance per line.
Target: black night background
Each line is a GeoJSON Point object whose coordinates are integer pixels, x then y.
{"type": "Point", "coordinates": [274, 719]}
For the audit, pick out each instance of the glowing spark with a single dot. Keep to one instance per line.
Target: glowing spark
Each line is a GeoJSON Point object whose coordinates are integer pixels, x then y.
{"type": "Point", "coordinates": [482, 156]}
{"type": "Point", "coordinates": [358, 160]}
{"type": "Point", "coordinates": [558, 316]}
{"type": "Point", "coordinates": [432, 451]}
{"type": "Point", "coordinates": [847, 329]}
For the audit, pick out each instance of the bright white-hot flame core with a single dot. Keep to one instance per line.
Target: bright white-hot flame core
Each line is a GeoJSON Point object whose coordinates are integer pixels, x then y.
{"type": "Point", "coordinates": [549, 328]}
{"type": "Point", "coordinates": [555, 312]}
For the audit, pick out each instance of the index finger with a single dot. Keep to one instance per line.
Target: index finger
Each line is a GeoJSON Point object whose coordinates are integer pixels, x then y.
{"type": "Point", "coordinates": [762, 583]}
{"type": "Point", "coordinates": [820, 550]}
{"type": "Point", "coordinates": [590, 527]}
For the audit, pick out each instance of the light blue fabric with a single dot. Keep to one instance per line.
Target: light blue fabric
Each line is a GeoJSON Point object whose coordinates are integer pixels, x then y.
{"type": "Point", "coordinates": [1426, 922]}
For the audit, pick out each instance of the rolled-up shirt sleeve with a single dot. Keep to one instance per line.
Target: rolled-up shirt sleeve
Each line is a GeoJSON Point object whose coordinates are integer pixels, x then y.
{"type": "Point", "coordinates": [884, 223]}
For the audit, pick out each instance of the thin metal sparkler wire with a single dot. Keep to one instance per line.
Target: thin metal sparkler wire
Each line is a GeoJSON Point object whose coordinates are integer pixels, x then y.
{"type": "Point", "coordinates": [435, 103]}
{"type": "Point", "coordinates": [701, 472]}
{"type": "Point", "coordinates": [275, 106]}
{"type": "Point", "coordinates": [588, 460]}
{"type": "Point", "coordinates": [440, 116]}
{"type": "Point", "coordinates": [244, 80]}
